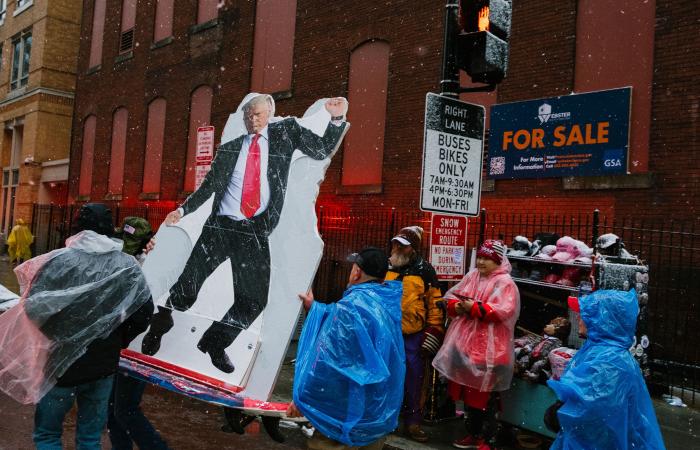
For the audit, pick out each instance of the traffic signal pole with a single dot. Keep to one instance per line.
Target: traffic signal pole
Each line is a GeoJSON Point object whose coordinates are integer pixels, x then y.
{"type": "Point", "coordinates": [449, 85]}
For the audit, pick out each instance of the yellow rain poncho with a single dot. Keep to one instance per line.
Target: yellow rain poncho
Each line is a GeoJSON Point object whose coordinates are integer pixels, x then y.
{"type": "Point", "coordinates": [19, 241]}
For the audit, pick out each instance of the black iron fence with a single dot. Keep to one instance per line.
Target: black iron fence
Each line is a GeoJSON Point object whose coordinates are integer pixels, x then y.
{"type": "Point", "coordinates": [670, 248]}
{"type": "Point", "coordinates": [51, 224]}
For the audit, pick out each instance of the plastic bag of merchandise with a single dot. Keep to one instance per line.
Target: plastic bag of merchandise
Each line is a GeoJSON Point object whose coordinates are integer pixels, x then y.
{"type": "Point", "coordinates": [70, 297]}
{"type": "Point", "coordinates": [558, 360]}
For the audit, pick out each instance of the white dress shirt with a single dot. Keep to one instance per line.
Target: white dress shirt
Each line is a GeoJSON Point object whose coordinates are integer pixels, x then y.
{"type": "Point", "coordinates": [231, 201]}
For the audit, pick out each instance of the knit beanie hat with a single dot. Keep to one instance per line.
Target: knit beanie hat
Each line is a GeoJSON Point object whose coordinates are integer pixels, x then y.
{"type": "Point", "coordinates": [96, 217]}
{"type": "Point", "coordinates": [493, 250]}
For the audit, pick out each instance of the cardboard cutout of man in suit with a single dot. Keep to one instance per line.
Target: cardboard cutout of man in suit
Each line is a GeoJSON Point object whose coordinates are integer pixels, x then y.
{"type": "Point", "coordinates": [248, 178]}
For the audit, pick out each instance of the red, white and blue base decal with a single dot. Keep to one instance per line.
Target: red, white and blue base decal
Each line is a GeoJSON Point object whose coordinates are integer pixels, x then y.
{"type": "Point", "coordinates": [194, 385]}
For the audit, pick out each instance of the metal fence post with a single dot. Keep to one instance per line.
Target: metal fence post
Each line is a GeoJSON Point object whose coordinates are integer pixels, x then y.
{"type": "Point", "coordinates": [71, 215]}
{"type": "Point", "coordinates": [596, 219]}
{"type": "Point", "coordinates": [482, 226]}
{"type": "Point", "coordinates": [34, 209]}
{"type": "Point", "coordinates": [50, 229]}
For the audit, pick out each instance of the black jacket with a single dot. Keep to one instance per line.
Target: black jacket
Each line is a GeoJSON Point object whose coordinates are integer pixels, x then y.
{"type": "Point", "coordinates": [102, 356]}
{"type": "Point", "coordinates": [284, 137]}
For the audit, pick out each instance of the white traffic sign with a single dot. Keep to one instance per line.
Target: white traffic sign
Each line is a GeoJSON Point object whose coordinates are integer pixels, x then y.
{"type": "Point", "coordinates": [204, 154]}
{"type": "Point", "coordinates": [453, 151]}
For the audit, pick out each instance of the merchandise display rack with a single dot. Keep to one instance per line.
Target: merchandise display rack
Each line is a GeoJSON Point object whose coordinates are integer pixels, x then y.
{"type": "Point", "coordinates": [524, 404]}
{"type": "Point", "coordinates": [545, 284]}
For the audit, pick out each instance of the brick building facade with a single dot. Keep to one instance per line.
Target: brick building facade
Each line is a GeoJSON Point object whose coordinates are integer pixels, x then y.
{"type": "Point", "coordinates": [548, 57]}
{"type": "Point", "coordinates": [38, 44]}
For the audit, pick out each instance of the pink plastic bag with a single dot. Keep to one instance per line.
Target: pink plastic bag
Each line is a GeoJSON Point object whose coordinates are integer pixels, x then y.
{"type": "Point", "coordinates": [558, 359]}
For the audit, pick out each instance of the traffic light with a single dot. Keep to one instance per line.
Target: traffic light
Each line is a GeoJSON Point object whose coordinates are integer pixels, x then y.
{"type": "Point", "coordinates": [482, 43]}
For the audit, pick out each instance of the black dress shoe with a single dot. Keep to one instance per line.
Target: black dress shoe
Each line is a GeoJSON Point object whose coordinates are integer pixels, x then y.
{"type": "Point", "coordinates": [161, 323]}
{"type": "Point", "coordinates": [219, 359]}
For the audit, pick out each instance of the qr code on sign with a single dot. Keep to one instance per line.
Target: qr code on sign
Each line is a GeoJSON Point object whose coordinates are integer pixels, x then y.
{"type": "Point", "coordinates": [498, 165]}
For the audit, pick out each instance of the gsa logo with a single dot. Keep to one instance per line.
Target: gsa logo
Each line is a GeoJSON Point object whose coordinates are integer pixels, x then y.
{"type": "Point", "coordinates": [614, 161]}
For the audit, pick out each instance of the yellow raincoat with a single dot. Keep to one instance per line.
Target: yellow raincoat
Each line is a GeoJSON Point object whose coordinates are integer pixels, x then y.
{"type": "Point", "coordinates": [19, 241]}
{"type": "Point", "coordinates": [421, 295]}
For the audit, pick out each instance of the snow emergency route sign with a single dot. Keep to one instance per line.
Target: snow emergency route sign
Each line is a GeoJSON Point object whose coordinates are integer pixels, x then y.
{"type": "Point", "coordinates": [453, 150]}
{"type": "Point", "coordinates": [204, 155]}
{"type": "Point", "coordinates": [448, 237]}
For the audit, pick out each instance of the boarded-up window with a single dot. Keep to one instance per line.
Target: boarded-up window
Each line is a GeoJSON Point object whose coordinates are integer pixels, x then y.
{"type": "Point", "coordinates": [126, 40]}
{"type": "Point", "coordinates": [164, 20]}
{"type": "Point", "coordinates": [87, 156]}
{"type": "Point", "coordinates": [118, 152]}
{"type": "Point", "coordinates": [615, 48]}
{"type": "Point", "coordinates": [273, 50]}
{"type": "Point", "coordinates": [154, 146]}
{"type": "Point", "coordinates": [367, 91]}
{"type": "Point", "coordinates": [200, 115]}
{"type": "Point", "coordinates": [207, 10]}
{"type": "Point", "coordinates": [97, 36]}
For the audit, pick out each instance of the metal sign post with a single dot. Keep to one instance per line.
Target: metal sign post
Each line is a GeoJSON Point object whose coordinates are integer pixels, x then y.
{"type": "Point", "coordinates": [453, 151]}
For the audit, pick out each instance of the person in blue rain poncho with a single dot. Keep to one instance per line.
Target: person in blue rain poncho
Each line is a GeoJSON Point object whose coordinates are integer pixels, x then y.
{"type": "Point", "coordinates": [349, 374]}
{"type": "Point", "coordinates": [603, 400]}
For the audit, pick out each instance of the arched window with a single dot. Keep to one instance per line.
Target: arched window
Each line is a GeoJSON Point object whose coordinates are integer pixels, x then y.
{"type": "Point", "coordinates": [126, 39]}
{"type": "Point", "coordinates": [363, 152]}
{"type": "Point", "coordinates": [207, 10]}
{"type": "Point", "coordinates": [164, 20]}
{"type": "Point", "coordinates": [200, 115]}
{"type": "Point", "coordinates": [273, 50]}
{"type": "Point", "coordinates": [118, 152]}
{"type": "Point", "coordinates": [155, 133]}
{"type": "Point", "coordinates": [97, 36]}
{"type": "Point", "coordinates": [87, 156]}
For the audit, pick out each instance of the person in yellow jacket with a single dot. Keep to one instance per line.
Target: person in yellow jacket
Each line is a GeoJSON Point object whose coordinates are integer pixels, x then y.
{"type": "Point", "coordinates": [19, 241]}
{"type": "Point", "coordinates": [422, 320]}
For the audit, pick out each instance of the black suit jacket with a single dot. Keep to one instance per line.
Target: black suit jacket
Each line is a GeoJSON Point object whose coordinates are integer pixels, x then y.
{"type": "Point", "coordinates": [284, 137]}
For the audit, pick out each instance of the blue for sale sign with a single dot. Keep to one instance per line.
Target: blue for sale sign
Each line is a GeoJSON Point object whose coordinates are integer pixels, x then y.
{"type": "Point", "coordinates": [572, 135]}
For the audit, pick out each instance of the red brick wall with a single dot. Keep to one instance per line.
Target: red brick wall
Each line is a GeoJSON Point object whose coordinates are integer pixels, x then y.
{"type": "Point", "coordinates": [675, 130]}
{"type": "Point", "coordinates": [542, 64]}
{"type": "Point", "coordinates": [217, 56]}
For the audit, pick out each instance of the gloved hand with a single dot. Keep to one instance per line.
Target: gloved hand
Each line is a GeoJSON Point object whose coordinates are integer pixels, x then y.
{"type": "Point", "coordinates": [432, 340]}
{"type": "Point", "coordinates": [551, 421]}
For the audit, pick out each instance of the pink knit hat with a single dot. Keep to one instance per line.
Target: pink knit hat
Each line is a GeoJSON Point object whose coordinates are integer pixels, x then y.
{"type": "Point", "coordinates": [493, 250]}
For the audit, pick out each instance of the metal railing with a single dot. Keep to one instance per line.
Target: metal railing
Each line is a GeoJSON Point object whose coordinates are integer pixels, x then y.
{"type": "Point", "coordinates": [670, 248]}
{"type": "Point", "coordinates": [51, 224]}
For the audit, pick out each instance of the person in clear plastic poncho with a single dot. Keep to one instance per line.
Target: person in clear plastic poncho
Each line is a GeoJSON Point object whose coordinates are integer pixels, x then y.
{"type": "Point", "coordinates": [79, 306]}
{"type": "Point", "coordinates": [18, 242]}
{"type": "Point", "coordinates": [603, 399]}
{"type": "Point", "coordinates": [349, 374]}
{"type": "Point", "coordinates": [477, 355]}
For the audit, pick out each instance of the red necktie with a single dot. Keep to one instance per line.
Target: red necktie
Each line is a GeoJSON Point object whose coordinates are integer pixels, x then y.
{"type": "Point", "coordinates": [250, 197]}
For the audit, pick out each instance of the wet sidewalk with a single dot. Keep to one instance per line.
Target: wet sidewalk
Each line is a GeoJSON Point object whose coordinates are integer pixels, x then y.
{"type": "Point", "coordinates": [680, 428]}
